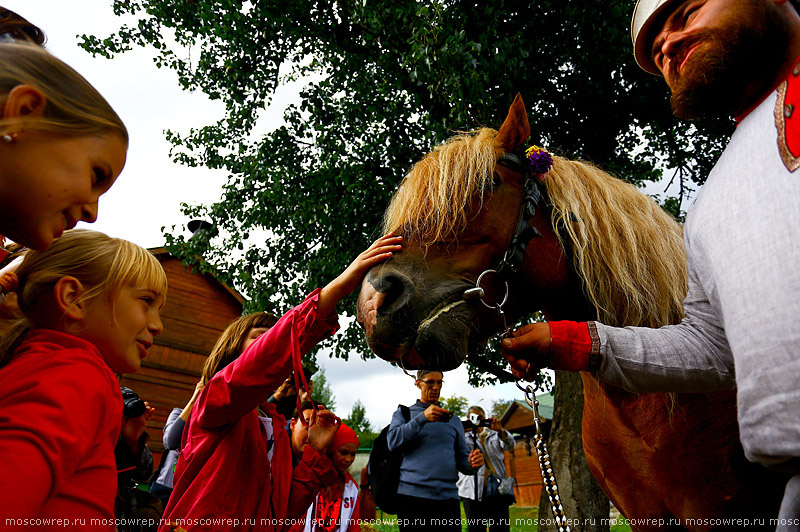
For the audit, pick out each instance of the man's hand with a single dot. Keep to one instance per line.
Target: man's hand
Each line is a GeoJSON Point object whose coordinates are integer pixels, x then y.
{"type": "Point", "coordinates": [476, 458]}
{"type": "Point", "coordinates": [495, 424]}
{"type": "Point", "coordinates": [321, 433]}
{"type": "Point", "coordinates": [528, 350]}
{"type": "Point", "coordinates": [436, 413]}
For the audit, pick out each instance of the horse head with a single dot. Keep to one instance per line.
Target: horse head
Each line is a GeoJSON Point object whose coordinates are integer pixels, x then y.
{"type": "Point", "coordinates": [458, 210]}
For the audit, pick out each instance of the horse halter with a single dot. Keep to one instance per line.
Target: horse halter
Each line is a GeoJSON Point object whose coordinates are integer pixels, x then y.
{"type": "Point", "coordinates": [524, 232]}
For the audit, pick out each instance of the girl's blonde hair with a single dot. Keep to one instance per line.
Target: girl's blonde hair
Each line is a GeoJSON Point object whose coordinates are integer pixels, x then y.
{"type": "Point", "coordinates": [74, 107]}
{"type": "Point", "coordinates": [104, 266]}
{"type": "Point", "coordinates": [230, 343]}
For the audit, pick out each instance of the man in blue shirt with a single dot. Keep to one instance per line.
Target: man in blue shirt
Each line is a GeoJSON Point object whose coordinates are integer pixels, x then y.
{"type": "Point", "coordinates": [434, 451]}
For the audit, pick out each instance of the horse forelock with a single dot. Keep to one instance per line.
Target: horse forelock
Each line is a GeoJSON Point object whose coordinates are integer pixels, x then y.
{"type": "Point", "coordinates": [435, 198]}
{"type": "Point", "coordinates": [627, 250]}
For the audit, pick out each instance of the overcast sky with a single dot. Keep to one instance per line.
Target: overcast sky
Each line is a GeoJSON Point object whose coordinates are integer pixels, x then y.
{"type": "Point", "coordinates": [150, 189]}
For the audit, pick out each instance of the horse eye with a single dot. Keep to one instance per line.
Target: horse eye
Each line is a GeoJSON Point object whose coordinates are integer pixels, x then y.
{"type": "Point", "coordinates": [496, 181]}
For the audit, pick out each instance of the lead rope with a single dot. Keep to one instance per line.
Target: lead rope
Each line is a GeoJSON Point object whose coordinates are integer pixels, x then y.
{"type": "Point", "coordinates": [300, 376]}
{"type": "Point", "coordinates": [545, 464]}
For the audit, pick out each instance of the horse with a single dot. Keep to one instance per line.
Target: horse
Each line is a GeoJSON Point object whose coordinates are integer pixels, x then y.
{"type": "Point", "coordinates": [596, 249]}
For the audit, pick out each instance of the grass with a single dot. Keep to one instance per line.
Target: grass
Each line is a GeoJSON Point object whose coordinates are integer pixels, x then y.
{"type": "Point", "coordinates": [522, 520]}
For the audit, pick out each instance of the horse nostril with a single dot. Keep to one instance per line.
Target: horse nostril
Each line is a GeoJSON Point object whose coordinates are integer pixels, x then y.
{"type": "Point", "coordinates": [397, 289]}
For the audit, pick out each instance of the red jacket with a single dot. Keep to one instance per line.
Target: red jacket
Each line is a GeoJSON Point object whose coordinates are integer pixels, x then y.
{"type": "Point", "coordinates": [60, 416]}
{"type": "Point", "coordinates": [342, 513]}
{"type": "Point", "coordinates": [223, 479]}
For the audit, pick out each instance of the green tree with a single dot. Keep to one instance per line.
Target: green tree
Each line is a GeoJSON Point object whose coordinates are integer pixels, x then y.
{"type": "Point", "coordinates": [457, 405]}
{"type": "Point", "coordinates": [357, 420]}
{"type": "Point", "coordinates": [384, 82]}
{"type": "Point", "coordinates": [499, 406]}
{"type": "Point", "coordinates": [322, 392]}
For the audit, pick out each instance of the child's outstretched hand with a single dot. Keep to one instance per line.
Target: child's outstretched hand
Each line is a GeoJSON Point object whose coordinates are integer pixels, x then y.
{"type": "Point", "coordinates": [350, 279]}
{"type": "Point", "coordinates": [321, 433]}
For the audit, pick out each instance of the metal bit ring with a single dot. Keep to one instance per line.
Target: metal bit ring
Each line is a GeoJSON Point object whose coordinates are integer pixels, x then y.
{"type": "Point", "coordinates": [487, 305]}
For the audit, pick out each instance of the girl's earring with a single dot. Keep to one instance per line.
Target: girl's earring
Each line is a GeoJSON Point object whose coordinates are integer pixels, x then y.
{"type": "Point", "coordinates": [9, 138]}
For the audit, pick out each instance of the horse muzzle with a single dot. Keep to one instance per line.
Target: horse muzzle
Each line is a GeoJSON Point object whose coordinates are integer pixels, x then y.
{"type": "Point", "coordinates": [418, 328]}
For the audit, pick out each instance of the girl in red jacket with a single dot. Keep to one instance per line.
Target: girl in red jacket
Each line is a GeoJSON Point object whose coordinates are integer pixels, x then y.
{"type": "Point", "coordinates": [235, 467]}
{"type": "Point", "coordinates": [335, 508]}
{"type": "Point", "coordinates": [90, 308]}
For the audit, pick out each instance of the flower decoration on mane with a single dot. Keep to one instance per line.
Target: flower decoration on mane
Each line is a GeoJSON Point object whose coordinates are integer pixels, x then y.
{"type": "Point", "coordinates": [539, 159]}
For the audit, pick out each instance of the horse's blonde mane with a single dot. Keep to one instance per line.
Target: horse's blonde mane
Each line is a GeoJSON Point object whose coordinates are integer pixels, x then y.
{"type": "Point", "coordinates": [628, 252]}
{"type": "Point", "coordinates": [430, 204]}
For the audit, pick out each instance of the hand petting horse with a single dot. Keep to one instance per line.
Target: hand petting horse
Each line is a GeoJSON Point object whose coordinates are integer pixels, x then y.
{"type": "Point", "coordinates": [600, 250]}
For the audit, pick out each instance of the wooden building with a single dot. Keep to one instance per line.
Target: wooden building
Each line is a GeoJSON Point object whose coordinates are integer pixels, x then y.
{"type": "Point", "coordinates": [198, 309]}
{"type": "Point", "coordinates": [522, 463]}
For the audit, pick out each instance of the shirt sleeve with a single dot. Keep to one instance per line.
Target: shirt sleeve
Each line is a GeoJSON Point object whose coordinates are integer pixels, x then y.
{"type": "Point", "coordinates": [692, 356]}
{"type": "Point", "coordinates": [499, 441]}
{"type": "Point", "coordinates": [247, 381]}
{"type": "Point", "coordinates": [461, 450]}
{"type": "Point", "coordinates": [401, 432]}
{"type": "Point", "coordinates": [312, 473]}
{"type": "Point", "coordinates": [173, 430]}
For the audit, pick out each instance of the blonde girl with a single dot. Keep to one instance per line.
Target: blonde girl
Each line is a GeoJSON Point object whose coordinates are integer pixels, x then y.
{"type": "Point", "coordinates": [89, 308]}
{"type": "Point", "coordinates": [61, 146]}
{"type": "Point", "coordinates": [235, 469]}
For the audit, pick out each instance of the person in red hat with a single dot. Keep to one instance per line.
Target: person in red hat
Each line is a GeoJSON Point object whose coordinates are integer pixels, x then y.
{"type": "Point", "coordinates": [739, 58]}
{"type": "Point", "coordinates": [335, 508]}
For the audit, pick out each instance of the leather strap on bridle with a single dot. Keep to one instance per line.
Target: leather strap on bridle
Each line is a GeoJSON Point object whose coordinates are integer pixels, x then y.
{"type": "Point", "coordinates": [524, 231]}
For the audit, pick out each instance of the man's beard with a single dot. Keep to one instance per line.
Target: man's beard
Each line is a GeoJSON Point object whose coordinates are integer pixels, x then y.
{"type": "Point", "coordinates": [732, 66]}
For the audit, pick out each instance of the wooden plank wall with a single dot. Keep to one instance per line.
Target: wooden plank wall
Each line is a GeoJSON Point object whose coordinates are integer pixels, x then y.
{"type": "Point", "coordinates": [197, 310]}
{"type": "Point", "coordinates": [523, 464]}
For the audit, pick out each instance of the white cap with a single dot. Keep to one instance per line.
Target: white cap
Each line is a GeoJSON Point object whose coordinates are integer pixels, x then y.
{"type": "Point", "coordinates": [645, 14]}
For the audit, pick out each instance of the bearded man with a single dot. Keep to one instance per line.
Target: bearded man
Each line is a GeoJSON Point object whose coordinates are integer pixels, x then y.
{"type": "Point", "coordinates": [742, 233]}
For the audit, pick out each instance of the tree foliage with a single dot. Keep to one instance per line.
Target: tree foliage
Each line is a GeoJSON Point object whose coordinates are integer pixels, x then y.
{"type": "Point", "coordinates": [499, 407]}
{"type": "Point", "coordinates": [384, 81]}
{"type": "Point", "coordinates": [456, 405]}
{"type": "Point", "coordinates": [357, 420]}
{"type": "Point", "coordinates": [322, 392]}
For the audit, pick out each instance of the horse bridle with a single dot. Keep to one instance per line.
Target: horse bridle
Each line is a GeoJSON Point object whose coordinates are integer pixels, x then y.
{"type": "Point", "coordinates": [510, 265]}
{"type": "Point", "coordinates": [524, 232]}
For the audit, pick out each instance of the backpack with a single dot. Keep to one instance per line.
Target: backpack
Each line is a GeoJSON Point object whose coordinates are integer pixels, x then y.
{"type": "Point", "coordinates": [383, 469]}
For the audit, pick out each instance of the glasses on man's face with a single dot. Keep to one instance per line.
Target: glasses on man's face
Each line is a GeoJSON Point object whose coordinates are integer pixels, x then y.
{"type": "Point", "coordinates": [431, 382]}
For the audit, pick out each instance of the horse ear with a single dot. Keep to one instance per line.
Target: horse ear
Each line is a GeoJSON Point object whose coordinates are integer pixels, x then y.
{"type": "Point", "coordinates": [516, 129]}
